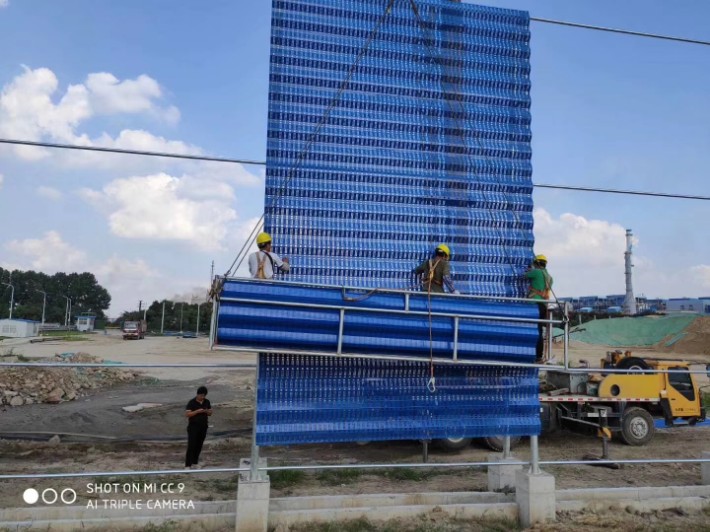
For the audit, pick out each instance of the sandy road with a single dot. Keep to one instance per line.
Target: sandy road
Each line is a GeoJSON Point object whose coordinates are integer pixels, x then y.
{"type": "Point", "coordinates": [150, 350]}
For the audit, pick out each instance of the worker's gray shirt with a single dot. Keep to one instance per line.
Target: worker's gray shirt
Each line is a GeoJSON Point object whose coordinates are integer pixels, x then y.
{"type": "Point", "coordinates": [257, 256]}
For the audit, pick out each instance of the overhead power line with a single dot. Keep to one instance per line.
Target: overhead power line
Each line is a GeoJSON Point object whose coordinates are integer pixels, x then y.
{"type": "Point", "coordinates": [619, 191]}
{"type": "Point", "coordinates": [623, 32]}
{"type": "Point", "coordinates": [262, 163]}
{"type": "Point", "coordinates": [129, 152]}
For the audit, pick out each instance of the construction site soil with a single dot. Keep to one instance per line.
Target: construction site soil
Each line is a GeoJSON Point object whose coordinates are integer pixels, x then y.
{"type": "Point", "coordinates": [96, 434]}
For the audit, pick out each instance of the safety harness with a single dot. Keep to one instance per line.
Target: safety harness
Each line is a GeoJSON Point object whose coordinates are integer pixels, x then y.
{"type": "Point", "coordinates": [544, 294]}
{"type": "Point", "coordinates": [260, 273]}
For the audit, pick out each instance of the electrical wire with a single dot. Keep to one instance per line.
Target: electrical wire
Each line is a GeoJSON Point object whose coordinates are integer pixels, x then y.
{"type": "Point", "coordinates": [623, 32]}
{"type": "Point", "coordinates": [130, 152]}
{"type": "Point", "coordinates": [263, 163]}
{"type": "Point", "coordinates": [619, 191]}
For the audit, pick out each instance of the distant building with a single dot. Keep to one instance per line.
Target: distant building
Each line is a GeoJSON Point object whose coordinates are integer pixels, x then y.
{"type": "Point", "coordinates": [85, 323]}
{"type": "Point", "coordinates": [19, 328]}
{"type": "Point", "coordinates": [689, 305]}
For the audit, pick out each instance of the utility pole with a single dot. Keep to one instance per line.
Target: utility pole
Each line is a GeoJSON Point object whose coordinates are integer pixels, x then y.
{"type": "Point", "coordinates": [12, 297]}
{"type": "Point", "coordinates": [197, 331]}
{"type": "Point", "coordinates": [67, 311]}
{"type": "Point", "coordinates": [162, 319]}
{"type": "Point", "coordinates": [181, 305]}
{"type": "Point", "coordinates": [44, 303]}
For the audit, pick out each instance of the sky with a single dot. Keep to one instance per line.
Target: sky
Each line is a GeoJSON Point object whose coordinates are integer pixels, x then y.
{"type": "Point", "coordinates": [608, 110]}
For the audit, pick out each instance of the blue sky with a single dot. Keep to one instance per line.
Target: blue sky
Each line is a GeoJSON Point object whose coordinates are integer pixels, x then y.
{"type": "Point", "coordinates": [192, 77]}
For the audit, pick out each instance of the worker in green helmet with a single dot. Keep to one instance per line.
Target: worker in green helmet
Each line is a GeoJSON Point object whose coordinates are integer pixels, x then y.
{"type": "Point", "coordinates": [540, 289]}
{"type": "Point", "coordinates": [436, 272]}
{"type": "Point", "coordinates": [264, 263]}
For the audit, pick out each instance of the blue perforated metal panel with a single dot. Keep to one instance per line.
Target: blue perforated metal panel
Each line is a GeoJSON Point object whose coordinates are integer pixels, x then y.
{"type": "Point", "coordinates": [393, 131]}
{"type": "Point", "coordinates": [394, 126]}
{"type": "Point", "coordinates": [314, 399]}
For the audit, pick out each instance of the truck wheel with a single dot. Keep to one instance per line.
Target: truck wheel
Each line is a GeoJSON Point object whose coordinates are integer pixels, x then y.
{"type": "Point", "coordinates": [633, 364]}
{"type": "Point", "coordinates": [495, 443]}
{"type": "Point", "coordinates": [637, 427]}
{"type": "Point", "coordinates": [453, 444]}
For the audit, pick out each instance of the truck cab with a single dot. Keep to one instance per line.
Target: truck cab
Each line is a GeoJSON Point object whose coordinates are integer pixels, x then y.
{"type": "Point", "coordinates": [134, 330]}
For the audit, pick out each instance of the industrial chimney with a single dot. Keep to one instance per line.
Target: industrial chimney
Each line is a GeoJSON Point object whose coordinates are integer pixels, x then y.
{"type": "Point", "coordinates": [629, 299]}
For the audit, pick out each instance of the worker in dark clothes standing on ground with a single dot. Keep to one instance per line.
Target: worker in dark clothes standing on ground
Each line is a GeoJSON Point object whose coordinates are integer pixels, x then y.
{"type": "Point", "coordinates": [197, 412]}
{"type": "Point", "coordinates": [540, 288]}
{"type": "Point", "coordinates": [436, 271]}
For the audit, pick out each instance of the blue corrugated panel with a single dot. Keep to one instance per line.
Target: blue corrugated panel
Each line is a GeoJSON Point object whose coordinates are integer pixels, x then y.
{"type": "Point", "coordinates": [306, 399]}
{"type": "Point", "coordinates": [271, 315]}
{"type": "Point", "coordinates": [390, 132]}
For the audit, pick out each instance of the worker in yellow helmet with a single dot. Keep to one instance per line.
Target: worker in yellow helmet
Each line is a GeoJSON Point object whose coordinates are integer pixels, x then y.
{"type": "Point", "coordinates": [435, 272]}
{"type": "Point", "coordinates": [540, 289]}
{"type": "Point", "coordinates": [264, 263]}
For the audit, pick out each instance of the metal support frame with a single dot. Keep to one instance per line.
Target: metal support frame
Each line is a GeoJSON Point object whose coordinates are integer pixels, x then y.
{"type": "Point", "coordinates": [254, 464]}
{"type": "Point", "coordinates": [534, 456]}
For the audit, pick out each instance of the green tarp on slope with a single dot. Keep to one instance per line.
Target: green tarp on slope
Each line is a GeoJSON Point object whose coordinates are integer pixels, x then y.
{"type": "Point", "coordinates": [621, 332]}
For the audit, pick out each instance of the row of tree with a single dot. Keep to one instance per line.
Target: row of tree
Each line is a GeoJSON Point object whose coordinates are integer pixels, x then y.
{"type": "Point", "coordinates": [30, 291]}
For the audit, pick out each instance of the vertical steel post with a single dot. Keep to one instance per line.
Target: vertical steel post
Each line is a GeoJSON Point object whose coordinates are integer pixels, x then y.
{"type": "Point", "coordinates": [213, 322]}
{"type": "Point", "coordinates": [254, 464]}
{"type": "Point", "coordinates": [548, 328]}
{"type": "Point", "coordinates": [456, 338]}
{"type": "Point", "coordinates": [506, 447]}
{"type": "Point", "coordinates": [341, 327]}
{"type": "Point", "coordinates": [566, 340]}
{"type": "Point", "coordinates": [534, 456]}
{"type": "Point", "coordinates": [162, 319]}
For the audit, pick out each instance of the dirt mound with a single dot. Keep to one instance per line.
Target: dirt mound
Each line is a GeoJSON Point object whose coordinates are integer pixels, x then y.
{"type": "Point", "coordinates": [28, 385]}
{"type": "Point", "coordinates": [694, 340]}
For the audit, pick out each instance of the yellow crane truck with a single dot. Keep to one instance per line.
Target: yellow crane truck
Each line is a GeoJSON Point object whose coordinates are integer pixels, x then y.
{"type": "Point", "coordinates": [629, 401]}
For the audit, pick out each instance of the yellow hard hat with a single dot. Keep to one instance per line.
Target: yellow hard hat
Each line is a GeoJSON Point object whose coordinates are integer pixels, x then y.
{"type": "Point", "coordinates": [541, 258]}
{"type": "Point", "coordinates": [444, 248]}
{"type": "Point", "coordinates": [263, 238]}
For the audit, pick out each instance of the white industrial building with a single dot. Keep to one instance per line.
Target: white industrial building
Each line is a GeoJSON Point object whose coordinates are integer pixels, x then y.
{"type": "Point", "coordinates": [700, 305]}
{"type": "Point", "coordinates": [19, 328]}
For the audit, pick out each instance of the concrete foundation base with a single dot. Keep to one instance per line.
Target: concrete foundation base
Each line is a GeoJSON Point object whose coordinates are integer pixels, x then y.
{"type": "Point", "coordinates": [535, 496]}
{"type": "Point", "coordinates": [252, 500]}
{"type": "Point", "coordinates": [705, 468]}
{"type": "Point", "coordinates": [502, 477]}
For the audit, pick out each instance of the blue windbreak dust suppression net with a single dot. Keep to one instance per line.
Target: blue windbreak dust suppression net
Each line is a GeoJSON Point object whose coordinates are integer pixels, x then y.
{"type": "Point", "coordinates": [395, 126]}
{"type": "Point", "coordinates": [373, 400]}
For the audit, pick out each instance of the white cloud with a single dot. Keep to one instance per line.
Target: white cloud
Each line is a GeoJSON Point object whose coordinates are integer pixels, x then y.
{"type": "Point", "coordinates": [163, 207]}
{"type": "Point", "coordinates": [701, 275]}
{"type": "Point", "coordinates": [49, 254]}
{"type": "Point", "coordinates": [127, 280]}
{"type": "Point", "coordinates": [4, 3]}
{"type": "Point", "coordinates": [108, 95]}
{"type": "Point", "coordinates": [28, 110]}
{"type": "Point", "coordinates": [50, 193]}
{"type": "Point", "coordinates": [586, 257]}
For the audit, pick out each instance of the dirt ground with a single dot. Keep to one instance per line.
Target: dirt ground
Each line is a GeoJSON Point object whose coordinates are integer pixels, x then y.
{"type": "Point", "coordinates": [97, 435]}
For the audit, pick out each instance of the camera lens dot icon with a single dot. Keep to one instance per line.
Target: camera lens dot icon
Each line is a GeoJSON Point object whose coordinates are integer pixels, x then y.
{"type": "Point", "coordinates": [30, 496]}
